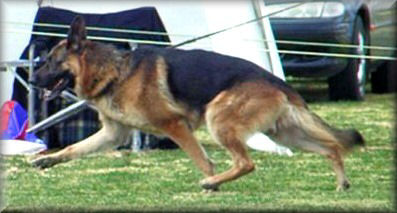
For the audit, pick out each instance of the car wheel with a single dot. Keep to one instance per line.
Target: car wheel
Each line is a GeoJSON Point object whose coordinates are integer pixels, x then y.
{"type": "Point", "coordinates": [383, 80]}
{"type": "Point", "coordinates": [349, 84]}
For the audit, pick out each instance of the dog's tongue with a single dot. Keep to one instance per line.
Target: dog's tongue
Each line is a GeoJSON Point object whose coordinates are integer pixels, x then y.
{"type": "Point", "coordinates": [50, 95]}
{"type": "Point", "coordinates": [46, 94]}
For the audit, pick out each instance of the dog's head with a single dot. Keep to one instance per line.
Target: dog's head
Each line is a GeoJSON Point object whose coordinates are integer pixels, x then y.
{"type": "Point", "coordinates": [62, 63]}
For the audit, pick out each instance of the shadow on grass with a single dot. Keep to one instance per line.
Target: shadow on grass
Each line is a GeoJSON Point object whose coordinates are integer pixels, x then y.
{"type": "Point", "coordinates": [312, 90]}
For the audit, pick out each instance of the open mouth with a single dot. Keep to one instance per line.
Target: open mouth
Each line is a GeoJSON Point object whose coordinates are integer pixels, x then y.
{"type": "Point", "coordinates": [59, 86]}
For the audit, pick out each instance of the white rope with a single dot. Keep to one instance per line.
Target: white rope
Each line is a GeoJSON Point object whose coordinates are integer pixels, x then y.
{"type": "Point", "coordinates": [105, 29]}
{"type": "Point", "coordinates": [194, 39]}
{"type": "Point", "coordinates": [91, 37]}
{"type": "Point", "coordinates": [144, 32]}
{"type": "Point", "coordinates": [338, 55]}
{"type": "Point", "coordinates": [307, 43]}
{"type": "Point", "coordinates": [335, 55]}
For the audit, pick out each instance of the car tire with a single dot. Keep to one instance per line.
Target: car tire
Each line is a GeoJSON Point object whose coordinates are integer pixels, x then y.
{"type": "Point", "coordinates": [349, 84]}
{"type": "Point", "coordinates": [383, 80]}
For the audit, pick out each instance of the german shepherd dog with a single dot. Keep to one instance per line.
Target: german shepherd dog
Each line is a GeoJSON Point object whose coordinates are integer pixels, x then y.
{"type": "Point", "coordinates": [170, 92]}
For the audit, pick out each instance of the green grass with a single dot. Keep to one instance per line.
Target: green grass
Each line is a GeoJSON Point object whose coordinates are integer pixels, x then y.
{"type": "Point", "coordinates": [168, 180]}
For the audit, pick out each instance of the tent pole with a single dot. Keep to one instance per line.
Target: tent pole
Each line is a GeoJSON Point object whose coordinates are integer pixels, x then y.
{"type": "Point", "coordinates": [32, 92]}
{"type": "Point", "coordinates": [59, 116]}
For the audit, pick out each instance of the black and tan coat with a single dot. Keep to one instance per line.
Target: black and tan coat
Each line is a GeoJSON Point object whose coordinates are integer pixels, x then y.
{"type": "Point", "coordinates": [172, 92]}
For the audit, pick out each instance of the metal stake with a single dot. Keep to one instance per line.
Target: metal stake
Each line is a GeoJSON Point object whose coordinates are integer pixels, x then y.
{"type": "Point", "coordinates": [32, 92]}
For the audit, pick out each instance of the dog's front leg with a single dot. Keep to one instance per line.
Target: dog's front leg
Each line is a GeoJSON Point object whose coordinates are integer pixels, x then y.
{"type": "Point", "coordinates": [104, 138]}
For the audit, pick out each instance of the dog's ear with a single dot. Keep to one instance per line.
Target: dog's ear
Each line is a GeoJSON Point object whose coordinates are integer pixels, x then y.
{"type": "Point", "coordinates": [77, 34]}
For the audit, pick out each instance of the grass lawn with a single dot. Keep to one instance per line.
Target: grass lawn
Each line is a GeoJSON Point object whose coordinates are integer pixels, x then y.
{"type": "Point", "coordinates": [168, 181]}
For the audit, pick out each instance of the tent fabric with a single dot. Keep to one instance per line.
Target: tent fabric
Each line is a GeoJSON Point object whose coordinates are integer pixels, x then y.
{"type": "Point", "coordinates": [14, 123]}
{"type": "Point", "coordinates": [86, 122]}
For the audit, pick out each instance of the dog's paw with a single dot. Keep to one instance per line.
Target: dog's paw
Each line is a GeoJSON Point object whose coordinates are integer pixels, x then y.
{"type": "Point", "coordinates": [343, 187]}
{"type": "Point", "coordinates": [208, 191]}
{"type": "Point", "coordinates": [44, 162]}
{"type": "Point", "coordinates": [208, 186]}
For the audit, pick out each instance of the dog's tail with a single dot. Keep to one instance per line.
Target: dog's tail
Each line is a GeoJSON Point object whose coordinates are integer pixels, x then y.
{"type": "Point", "coordinates": [305, 128]}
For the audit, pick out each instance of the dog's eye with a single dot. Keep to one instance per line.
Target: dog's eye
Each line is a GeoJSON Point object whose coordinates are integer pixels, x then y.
{"type": "Point", "coordinates": [58, 62]}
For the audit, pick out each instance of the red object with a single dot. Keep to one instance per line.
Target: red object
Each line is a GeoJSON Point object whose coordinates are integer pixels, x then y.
{"type": "Point", "coordinates": [5, 113]}
{"type": "Point", "coordinates": [14, 122]}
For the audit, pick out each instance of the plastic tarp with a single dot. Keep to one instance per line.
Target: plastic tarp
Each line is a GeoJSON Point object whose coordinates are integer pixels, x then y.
{"type": "Point", "coordinates": [13, 137]}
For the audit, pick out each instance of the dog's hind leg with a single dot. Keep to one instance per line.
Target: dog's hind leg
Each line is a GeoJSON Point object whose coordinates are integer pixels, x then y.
{"type": "Point", "coordinates": [180, 133]}
{"type": "Point", "coordinates": [300, 140]}
{"type": "Point", "coordinates": [242, 163]}
{"type": "Point", "coordinates": [110, 135]}
{"type": "Point", "coordinates": [337, 163]}
{"type": "Point", "coordinates": [236, 114]}
{"type": "Point", "coordinates": [324, 144]}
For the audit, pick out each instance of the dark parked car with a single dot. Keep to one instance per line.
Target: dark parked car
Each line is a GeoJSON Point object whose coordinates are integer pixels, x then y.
{"type": "Point", "coordinates": [356, 22]}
